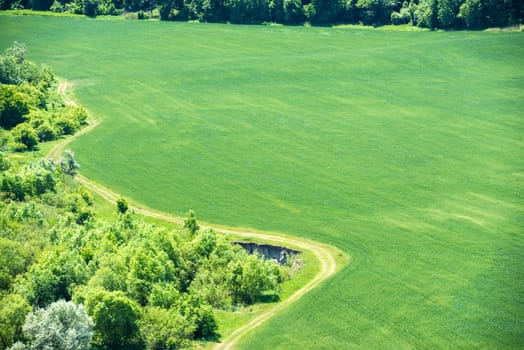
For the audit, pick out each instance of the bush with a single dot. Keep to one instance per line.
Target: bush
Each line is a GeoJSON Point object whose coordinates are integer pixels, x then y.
{"type": "Point", "coordinates": [165, 329]}
{"type": "Point", "coordinates": [25, 137]}
{"type": "Point", "coordinates": [115, 316]}
{"type": "Point", "coordinates": [33, 180]}
{"type": "Point", "coordinates": [121, 205]}
{"type": "Point", "coordinates": [61, 326]}
{"type": "Point", "coordinates": [46, 132]}
{"type": "Point", "coordinates": [5, 163]}
{"type": "Point", "coordinates": [14, 105]}
{"type": "Point", "coordinates": [68, 163]}
{"type": "Point", "coordinates": [13, 311]}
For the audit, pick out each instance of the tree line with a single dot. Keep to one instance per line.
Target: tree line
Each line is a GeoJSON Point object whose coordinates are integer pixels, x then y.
{"type": "Point", "coordinates": [433, 14]}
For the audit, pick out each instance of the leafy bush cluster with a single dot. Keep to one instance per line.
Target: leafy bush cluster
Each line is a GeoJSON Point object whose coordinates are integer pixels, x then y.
{"type": "Point", "coordinates": [28, 106]}
{"type": "Point", "coordinates": [442, 14]}
{"type": "Point", "coordinates": [142, 286]}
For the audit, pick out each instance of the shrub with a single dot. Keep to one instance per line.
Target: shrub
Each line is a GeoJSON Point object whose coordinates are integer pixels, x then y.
{"type": "Point", "coordinates": [68, 163]}
{"type": "Point", "coordinates": [121, 205]}
{"type": "Point", "coordinates": [165, 329]}
{"type": "Point", "coordinates": [25, 137]}
{"type": "Point", "coordinates": [14, 105]}
{"type": "Point", "coordinates": [61, 326]}
{"type": "Point", "coordinates": [13, 311]}
{"type": "Point", "coordinates": [115, 316]}
{"type": "Point", "coordinates": [46, 132]}
{"type": "Point", "coordinates": [5, 163]}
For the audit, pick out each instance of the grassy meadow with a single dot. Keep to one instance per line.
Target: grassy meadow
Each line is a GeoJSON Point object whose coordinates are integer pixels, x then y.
{"type": "Point", "coordinates": [404, 149]}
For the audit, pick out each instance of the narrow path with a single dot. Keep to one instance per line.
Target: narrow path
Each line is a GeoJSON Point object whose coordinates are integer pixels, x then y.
{"type": "Point", "coordinates": [328, 265]}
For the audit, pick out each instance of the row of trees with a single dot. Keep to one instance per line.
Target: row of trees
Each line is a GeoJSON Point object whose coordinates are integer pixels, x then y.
{"type": "Point", "coordinates": [69, 280]}
{"type": "Point", "coordinates": [441, 14]}
{"type": "Point", "coordinates": [29, 106]}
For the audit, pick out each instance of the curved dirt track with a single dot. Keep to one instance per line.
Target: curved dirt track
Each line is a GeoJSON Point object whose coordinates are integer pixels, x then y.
{"type": "Point", "coordinates": [328, 265]}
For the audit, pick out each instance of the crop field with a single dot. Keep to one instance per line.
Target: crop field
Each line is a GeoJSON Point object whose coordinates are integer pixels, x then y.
{"type": "Point", "coordinates": [404, 149]}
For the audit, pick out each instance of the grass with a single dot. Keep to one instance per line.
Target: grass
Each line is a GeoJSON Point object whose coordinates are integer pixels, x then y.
{"type": "Point", "coordinates": [405, 150]}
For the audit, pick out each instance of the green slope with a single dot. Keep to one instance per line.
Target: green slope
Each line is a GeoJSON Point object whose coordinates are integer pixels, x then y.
{"type": "Point", "coordinates": [404, 149]}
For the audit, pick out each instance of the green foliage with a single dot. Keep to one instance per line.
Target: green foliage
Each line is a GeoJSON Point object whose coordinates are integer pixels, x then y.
{"type": "Point", "coordinates": [111, 274]}
{"type": "Point", "coordinates": [10, 64]}
{"type": "Point", "coordinates": [471, 12]}
{"type": "Point", "coordinates": [165, 329]}
{"type": "Point", "coordinates": [13, 311]}
{"type": "Point", "coordinates": [68, 163]}
{"type": "Point", "coordinates": [443, 14]}
{"type": "Point", "coordinates": [121, 205]}
{"type": "Point", "coordinates": [247, 279]}
{"type": "Point", "coordinates": [448, 13]}
{"type": "Point", "coordinates": [90, 8]}
{"type": "Point", "coordinates": [5, 163]}
{"type": "Point", "coordinates": [53, 277]}
{"type": "Point", "coordinates": [14, 106]}
{"type": "Point", "coordinates": [14, 259]}
{"type": "Point", "coordinates": [115, 316]}
{"type": "Point", "coordinates": [190, 222]}
{"type": "Point", "coordinates": [32, 180]}
{"type": "Point", "coordinates": [200, 315]}
{"type": "Point", "coordinates": [147, 266]}
{"type": "Point", "coordinates": [61, 326]}
{"type": "Point", "coordinates": [293, 11]}
{"type": "Point", "coordinates": [375, 12]}
{"type": "Point", "coordinates": [25, 136]}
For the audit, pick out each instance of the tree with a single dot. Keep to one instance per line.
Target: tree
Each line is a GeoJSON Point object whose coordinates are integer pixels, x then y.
{"type": "Point", "coordinates": [10, 64]}
{"type": "Point", "coordinates": [205, 243]}
{"type": "Point", "coordinates": [276, 10]}
{"type": "Point", "coordinates": [147, 265]}
{"type": "Point", "coordinates": [326, 11]}
{"type": "Point", "coordinates": [164, 295]}
{"type": "Point", "coordinates": [165, 329]}
{"type": "Point", "coordinates": [190, 222]}
{"type": "Point", "coordinates": [426, 14]}
{"type": "Point", "coordinates": [448, 11]}
{"type": "Point", "coordinates": [14, 106]}
{"type": "Point", "coordinates": [249, 277]}
{"type": "Point", "coordinates": [375, 12]}
{"type": "Point", "coordinates": [13, 310]}
{"type": "Point", "coordinates": [68, 163]}
{"type": "Point", "coordinates": [14, 258]}
{"type": "Point", "coordinates": [293, 11]}
{"type": "Point", "coordinates": [200, 315]}
{"type": "Point", "coordinates": [54, 277]}
{"type": "Point", "coordinates": [91, 8]}
{"type": "Point", "coordinates": [121, 205]}
{"type": "Point", "coordinates": [115, 316]}
{"type": "Point", "coordinates": [61, 326]}
{"type": "Point", "coordinates": [471, 13]}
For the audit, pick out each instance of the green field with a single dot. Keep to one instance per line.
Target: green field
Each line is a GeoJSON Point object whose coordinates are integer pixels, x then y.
{"type": "Point", "coordinates": [405, 150]}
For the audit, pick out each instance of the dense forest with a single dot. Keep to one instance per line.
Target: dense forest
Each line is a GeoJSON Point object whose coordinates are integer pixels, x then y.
{"type": "Point", "coordinates": [72, 280]}
{"type": "Point", "coordinates": [433, 14]}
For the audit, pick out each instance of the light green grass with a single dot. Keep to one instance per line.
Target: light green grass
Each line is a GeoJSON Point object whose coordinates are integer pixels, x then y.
{"type": "Point", "coordinates": [404, 149]}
